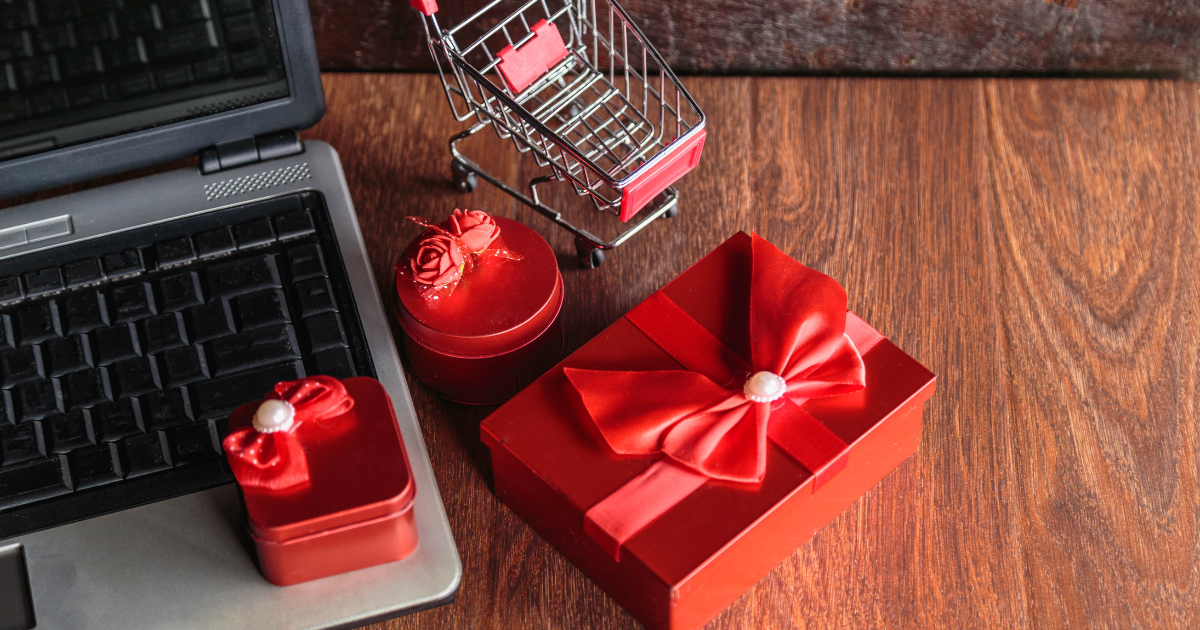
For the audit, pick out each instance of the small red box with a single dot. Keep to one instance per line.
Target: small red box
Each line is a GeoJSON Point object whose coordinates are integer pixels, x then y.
{"type": "Point", "coordinates": [551, 466]}
{"type": "Point", "coordinates": [356, 510]}
{"type": "Point", "coordinates": [496, 333]}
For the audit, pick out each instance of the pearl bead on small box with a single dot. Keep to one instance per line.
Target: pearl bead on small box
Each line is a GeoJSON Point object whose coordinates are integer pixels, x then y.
{"type": "Point", "coordinates": [764, 387]}
{"type": "Point", "coordinates": [274, 415]}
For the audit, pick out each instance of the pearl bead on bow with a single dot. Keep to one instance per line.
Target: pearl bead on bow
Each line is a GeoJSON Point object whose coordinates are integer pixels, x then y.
{"type": "Point", "coordinates": [764, 387]}
{"type": "Point", "coordinates": [274, 415]}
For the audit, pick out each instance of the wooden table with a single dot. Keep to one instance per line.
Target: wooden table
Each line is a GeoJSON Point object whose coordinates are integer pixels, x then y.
{"type": "Point", "coordinates": [1033, 242]}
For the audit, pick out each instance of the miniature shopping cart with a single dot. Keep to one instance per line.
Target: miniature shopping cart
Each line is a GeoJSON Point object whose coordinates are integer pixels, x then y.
{"type": "Point", "coordinates": [575, 84]}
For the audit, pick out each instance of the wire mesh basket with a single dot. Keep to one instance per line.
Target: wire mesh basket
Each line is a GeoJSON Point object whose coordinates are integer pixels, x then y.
{"type": "Point", "coordinates": [575, 84]}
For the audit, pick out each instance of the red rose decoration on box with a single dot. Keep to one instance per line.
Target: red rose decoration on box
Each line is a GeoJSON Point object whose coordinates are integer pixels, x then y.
{"type": "Point", "coordinates": [475, 228]}
{"type": "Point", "coordinates": [439, 260]}
{"type": "Point", "coordinates": [448, 251]}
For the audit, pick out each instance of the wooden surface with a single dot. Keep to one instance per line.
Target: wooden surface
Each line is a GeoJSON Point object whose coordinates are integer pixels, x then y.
{"type": "Point", "coordinates": [1033, 242]}
{"type": "Point", "coordinates": [1076, 37]}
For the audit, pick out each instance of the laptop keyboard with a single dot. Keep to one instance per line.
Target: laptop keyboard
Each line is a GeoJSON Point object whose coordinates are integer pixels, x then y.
{"type": "Point", "coordinates": [105, 57]}
{"type": "Point", "coordinates": [121, 361]}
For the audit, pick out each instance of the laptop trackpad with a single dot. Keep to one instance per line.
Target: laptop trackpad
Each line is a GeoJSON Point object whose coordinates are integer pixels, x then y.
{"type": "Point", "coordinates": [16, 604]}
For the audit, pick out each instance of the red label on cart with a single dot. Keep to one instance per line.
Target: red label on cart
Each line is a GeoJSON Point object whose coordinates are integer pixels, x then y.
{"type": "Point", "coordinates": [521, 67]}
{"type": "Point", "coordinates": [681, 159]}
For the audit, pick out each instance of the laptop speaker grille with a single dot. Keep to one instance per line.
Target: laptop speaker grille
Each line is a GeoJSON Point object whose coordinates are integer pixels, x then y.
{"type": "Point", "coordinates": [251, 183]}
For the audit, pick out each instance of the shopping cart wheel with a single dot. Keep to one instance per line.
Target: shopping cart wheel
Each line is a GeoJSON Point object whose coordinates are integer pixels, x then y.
{"type": "Point", "coordinates": [464, 180]}
{"type": "Point", "coordinates": [589, 256]}
{"type": "Point", "coordinates": [672, 212]}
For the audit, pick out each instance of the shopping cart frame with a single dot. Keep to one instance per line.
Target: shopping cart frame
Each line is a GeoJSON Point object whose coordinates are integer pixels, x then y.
{"type": "Point", "coordinates": [500, 109]}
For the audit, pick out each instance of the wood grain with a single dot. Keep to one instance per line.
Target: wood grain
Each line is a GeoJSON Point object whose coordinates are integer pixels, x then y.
{"type": "Point", "coordinates": [1033, 242]}
{"type": "Point", "coordinates": [1075, 37]}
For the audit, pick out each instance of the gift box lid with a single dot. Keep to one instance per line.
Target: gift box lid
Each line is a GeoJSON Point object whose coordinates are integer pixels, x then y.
{"type": "Point", "coordinates": [499, 306]}
{"type": "Point", "coordinates": [358, 470]}
{"type": "Point", "coordinates": [547, 428]}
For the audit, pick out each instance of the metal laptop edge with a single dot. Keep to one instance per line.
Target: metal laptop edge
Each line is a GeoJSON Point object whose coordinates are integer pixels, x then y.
{"type": "Point", "coordinates": [184, 562]}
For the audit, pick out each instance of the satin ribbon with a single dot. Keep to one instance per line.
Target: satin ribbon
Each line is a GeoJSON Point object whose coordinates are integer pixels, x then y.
{"type": "Point", "coordinates": [699, 419]}
{"type": "Point", "coordinates": [275, 461]}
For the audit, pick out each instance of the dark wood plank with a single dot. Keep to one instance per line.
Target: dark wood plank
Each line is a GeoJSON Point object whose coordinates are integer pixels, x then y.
{"type": "Point", "coordinates": [1033, 242]}
{"type": "Point", "coordinates": [1077, 37]}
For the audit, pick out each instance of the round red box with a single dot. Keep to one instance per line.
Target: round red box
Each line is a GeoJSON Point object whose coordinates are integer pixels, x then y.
{"type": "Point", "coordinates": [498, 331]}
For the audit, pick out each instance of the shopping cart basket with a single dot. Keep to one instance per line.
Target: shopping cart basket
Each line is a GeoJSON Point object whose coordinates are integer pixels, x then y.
{"type": "Point", "coordinates": [575, 84]}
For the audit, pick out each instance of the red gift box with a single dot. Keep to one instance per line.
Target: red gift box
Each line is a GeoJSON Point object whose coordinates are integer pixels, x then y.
{"type": "Point", "coordinates": [355, 508]}
{"type": "Point", "coordinates": [499, 329]}
{"type": "Point", "coordinates": [714, 484]}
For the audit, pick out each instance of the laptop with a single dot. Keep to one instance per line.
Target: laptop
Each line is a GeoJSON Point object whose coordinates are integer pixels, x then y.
{"type": "Point", "coordinates": [135, 316]}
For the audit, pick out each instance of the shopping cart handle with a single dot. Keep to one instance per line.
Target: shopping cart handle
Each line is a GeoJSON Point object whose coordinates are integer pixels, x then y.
{"type": "Point", "coordinates": [428, 7]}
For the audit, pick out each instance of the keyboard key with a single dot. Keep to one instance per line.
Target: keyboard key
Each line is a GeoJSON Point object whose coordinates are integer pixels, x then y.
{"type": "Point", "coordinates": [217, 397]}
{"type": "Point", "coordinates": [164, 332]}
{"type": "Point", "coordinates": [37, 323]}
{"type": "Point", "coordinates": [335, 362]}
{"type": "Point", "coordinates": [211, 320]}
{"type": "Point", "coordinates": [146, 453]}
{"type": "Point", "coordinates": [243, 276]}
{"type": "Point", "coordinates": [248, 61]}
{"type": "Point", "coordinates": [180, 291]}
{"type": "Point", "coordinates": [315, 297]}
{"type": "Point", "coordinates": [85, 312]}
{"type": "Point", "coordinates": [54, 37]}
{"type": "Point", "coordinates": [136, 84]}
{"type": "Point", "coordinates": [116, 420]}
{"type": "Point", "coordinates": [13, 109]}
{"type": "Point", "coordinates": [37, 400]}
{"type": "Point", "coordinates": [10, 290]}
{"type": "Point", "coordinates": [47, 103]}
{"type": "Point", "coordinates": [230, 7]}
{"type": "Point", "coordinates": [7, 342]}
{"type": "Point", "coordinates": [126, 54]}
{"type": "Point", "coordinates": [254, 233]}
{"type": "Point", "coordinates": [81, 62]}
{"type": "Point", "coordinates": [133, 302]}
{"type": "Point", "coordinates": [95, 466]}
{"type": "Point", "coordinates": [293, 224]}
{"type": "Point", "coordinates": [21, 365]}
{"type": "Point", "coordinates": [261, 308]}
{"type": "Point", "coordinates": [86, 388]}
{"type": "Point", "coordinates": [324, 332]}
{"type": "Point", "coordinates": [241, 29]}
{"type": "Point", "coordinates": [20, 443]}
{"type": "Point", "coordinates": [191, 444]}
{"type": "Point", "coordinates": [68, 354]}
{"type": "Point", "coordinates": [83, 272]}
{"type": "Point", "coordinates": [184, 11]}
{"type": "Point", "coordinates": [117, 343]}
{"type": "Point", "coordinates": [174, 251]}
{"type": "Point", "coordinates": [39, 72]}
{"type": "Point", "coordinates": [102, 29]}
{"type": "Point", "coordinates": [43, 281]}
{"type": "Point", "coordinates": [182, 366]}
{"type": "Point", "coordinates": [185, 41]}
{"type": "Point", "coordinates": [211, 69]}
{"type": "Point", "coordinates": [7, 414]}
{"type": "Point", "coordinates": [58, 10]}
{"type": "Point", "coordinates": [166, 409]}
{"type": "Point", "coordinates": [15, 45]}
{"type": "Point", "coordinates": [134, 377]}
{"type": "Point", "coordinates": [262, 346]}
{"type": "Point", "coordinates": [306, 262]}
{"type": "Point", "coordinates": [215, 242]}
{"type": "Point", "coordinates": [35, 481]}
{"type": "Point", "coordinates": [124, 264]}
{"type": "Point", "coordinates": [141, 19]}
{"type": "Point", "coordinates": [87, 95]}
{"type": "Point", "coordinates": [67, 433]}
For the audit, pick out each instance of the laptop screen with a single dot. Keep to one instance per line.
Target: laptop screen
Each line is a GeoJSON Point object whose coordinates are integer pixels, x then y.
{"type": "Point", "coordinates": [73, 71]}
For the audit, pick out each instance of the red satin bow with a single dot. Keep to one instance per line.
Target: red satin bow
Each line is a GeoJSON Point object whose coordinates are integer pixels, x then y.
{"type": "Point", "coordinates": [797, 331]}
{"type": "Point", "coordinates": [274, 461]}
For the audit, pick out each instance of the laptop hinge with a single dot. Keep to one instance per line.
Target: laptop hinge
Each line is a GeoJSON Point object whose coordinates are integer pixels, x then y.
{"type": "Point", "coordinates": [245, 151]}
